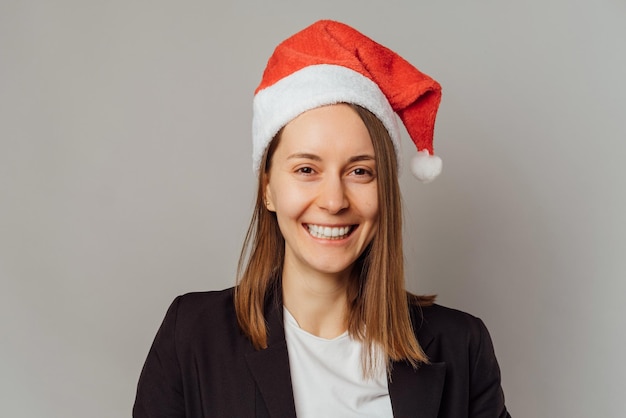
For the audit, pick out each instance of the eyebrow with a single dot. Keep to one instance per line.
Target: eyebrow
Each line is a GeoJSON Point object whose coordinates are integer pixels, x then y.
{"type": "Point", "coordinates": [307, 156]}
{"type": "Point", "coordinates": [365, 157]}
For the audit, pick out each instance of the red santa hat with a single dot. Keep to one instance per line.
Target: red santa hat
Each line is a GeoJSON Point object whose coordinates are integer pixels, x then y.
{"type": "Point", "coordinates": [330, 62]}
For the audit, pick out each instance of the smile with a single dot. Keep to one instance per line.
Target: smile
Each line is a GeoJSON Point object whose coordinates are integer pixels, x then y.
{"type": "Point", "coordinates": [327, 232]}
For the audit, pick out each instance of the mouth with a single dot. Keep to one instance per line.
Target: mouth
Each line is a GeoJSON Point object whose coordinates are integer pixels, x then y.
{"type": "Point", "coordinates": [330, 232]}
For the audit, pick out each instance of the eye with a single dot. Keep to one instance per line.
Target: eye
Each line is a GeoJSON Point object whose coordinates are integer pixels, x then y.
{"type": "Point", "coordinates": [304, 170]}
{"type": "Point", "coordinates": [363, 172]}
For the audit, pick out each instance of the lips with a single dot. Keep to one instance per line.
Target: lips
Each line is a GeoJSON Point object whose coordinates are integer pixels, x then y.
{"type": "Point", "coordinates": [330, 232]}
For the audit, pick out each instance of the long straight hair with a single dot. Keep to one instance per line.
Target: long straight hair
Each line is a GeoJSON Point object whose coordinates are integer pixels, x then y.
{"type": "Point", "coordinates": [378, 304]}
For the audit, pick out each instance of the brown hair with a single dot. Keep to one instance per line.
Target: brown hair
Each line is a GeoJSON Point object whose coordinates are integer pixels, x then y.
{"type": "Point", "coordinates": [376, 299]}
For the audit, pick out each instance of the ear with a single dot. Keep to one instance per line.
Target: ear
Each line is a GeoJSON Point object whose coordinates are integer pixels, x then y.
{"type": "Point", "coordinates": [268, 200]}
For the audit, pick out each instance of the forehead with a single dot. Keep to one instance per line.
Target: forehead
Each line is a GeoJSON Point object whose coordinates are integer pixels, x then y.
{"type": "Point", "coordinates": [334, 129]}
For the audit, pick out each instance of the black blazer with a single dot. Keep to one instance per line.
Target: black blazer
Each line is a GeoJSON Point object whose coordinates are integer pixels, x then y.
{"type": "Point", "coordinates": [201, 365]}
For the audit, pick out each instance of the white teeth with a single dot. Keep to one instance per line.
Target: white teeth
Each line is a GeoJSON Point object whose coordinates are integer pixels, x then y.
{"type": "Point", "coordinates": [326, 232]}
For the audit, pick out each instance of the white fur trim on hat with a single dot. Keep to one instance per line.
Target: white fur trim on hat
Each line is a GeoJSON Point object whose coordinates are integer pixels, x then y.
{"type": "Point", "coordinates": [311, 87]}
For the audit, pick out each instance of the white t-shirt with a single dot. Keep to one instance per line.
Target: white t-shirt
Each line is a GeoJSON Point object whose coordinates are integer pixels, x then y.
{"type": "Point", "coordinates": [327, 376]}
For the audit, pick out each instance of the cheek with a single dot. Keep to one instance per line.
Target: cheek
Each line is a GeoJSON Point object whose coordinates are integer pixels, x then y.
{"type": "Point", "coordinates": [370, 204]}
{"type": "Point", "coordinates": [370, 214]}
{"type": "Point", "coordinates": [289, 201]}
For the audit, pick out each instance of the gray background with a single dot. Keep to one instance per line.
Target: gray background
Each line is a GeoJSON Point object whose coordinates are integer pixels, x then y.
{"type": "Point", "coordinates": [125, 180]}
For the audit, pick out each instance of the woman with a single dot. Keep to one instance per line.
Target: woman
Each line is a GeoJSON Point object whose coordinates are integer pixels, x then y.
{"type": "Point", "coordinates": [320, 324]}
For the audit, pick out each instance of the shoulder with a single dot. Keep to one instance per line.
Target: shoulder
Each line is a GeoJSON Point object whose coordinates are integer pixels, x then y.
{"type": "Point", "coordinates": [440, 319]}
{"type": "Point", "coordinates": [201, 313]}
{"type": "Point", "coordinates": [201, 302]}
{"type": "Point", "coordinates": [450, 330]}
{"type": "Point", "coordinates": [455, 337]}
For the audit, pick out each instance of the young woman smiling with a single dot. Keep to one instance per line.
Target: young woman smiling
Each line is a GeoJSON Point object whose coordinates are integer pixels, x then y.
{"type": "Point", "coordinates": [320, 324]}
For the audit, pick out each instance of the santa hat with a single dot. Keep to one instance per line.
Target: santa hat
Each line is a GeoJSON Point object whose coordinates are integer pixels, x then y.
{"type": "Point", "coordinates": [330, 62]}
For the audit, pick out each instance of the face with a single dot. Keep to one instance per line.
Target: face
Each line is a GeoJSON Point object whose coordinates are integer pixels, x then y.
{"type": "Point", "coordinates": [323, 188]}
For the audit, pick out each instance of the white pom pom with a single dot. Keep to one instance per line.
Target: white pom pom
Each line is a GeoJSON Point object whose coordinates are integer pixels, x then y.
{"type": "Point", "coordinates": [426, 167]}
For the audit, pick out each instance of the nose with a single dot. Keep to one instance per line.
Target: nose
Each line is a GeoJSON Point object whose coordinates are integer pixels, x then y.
{"type": "Point", "coordinates": [332, 195]}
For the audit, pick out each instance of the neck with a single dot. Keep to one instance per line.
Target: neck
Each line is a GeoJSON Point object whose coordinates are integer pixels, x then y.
{"type": "Point", "coordinates": [317, 301]}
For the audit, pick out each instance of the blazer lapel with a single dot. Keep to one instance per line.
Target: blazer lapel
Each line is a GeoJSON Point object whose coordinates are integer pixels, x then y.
{"type": "Point", "coordinates": [417, 392]}
{"type": "Point", "coordinates": [270, 368]}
